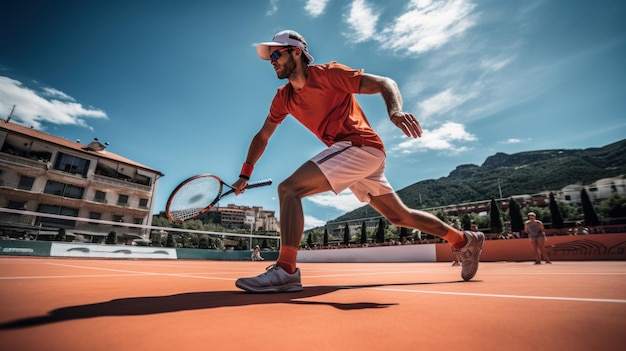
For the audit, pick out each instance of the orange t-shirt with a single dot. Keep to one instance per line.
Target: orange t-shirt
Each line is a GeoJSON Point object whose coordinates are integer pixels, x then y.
{"type": "Point", "coordinates": [326, 105]}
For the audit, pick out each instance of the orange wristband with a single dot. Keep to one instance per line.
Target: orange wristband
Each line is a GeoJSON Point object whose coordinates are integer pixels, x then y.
{"type": "Point", "coordinates": [246, 170]}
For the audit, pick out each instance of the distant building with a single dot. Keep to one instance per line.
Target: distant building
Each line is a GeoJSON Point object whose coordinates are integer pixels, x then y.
{"type": "Point", "coordinates": [43, 173]}
{"type": "Point", "coordinates": [599, 190]}
{"type": "Point", "coordinates": [242, 217]}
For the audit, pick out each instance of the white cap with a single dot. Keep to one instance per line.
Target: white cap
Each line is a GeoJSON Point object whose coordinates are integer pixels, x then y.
{"type": "Point", "coordinates": [284, 38]}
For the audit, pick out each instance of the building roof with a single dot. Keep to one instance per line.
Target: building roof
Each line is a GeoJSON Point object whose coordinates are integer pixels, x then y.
{"type": "Point", "coordinates": [77, 146]}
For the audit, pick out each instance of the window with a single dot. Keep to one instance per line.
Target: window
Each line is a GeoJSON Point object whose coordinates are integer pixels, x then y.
{"type": "Point", "coordinates": [118, 218]}
{"type": "Point", "coordinates": [95, 215]}
{"type": "Point", "coordinates": [65, 190]}
{"type": "Point", "coordinates": [16, 205]}
{"type": "Point", "coordinates": [26, 183]}
{"type": "Point", "coordinates": [122, 200]}
{"type": "Point", "coordinates": [57, 210]}
{"type": "Point", "coordinates": [137, 220]}
{"type": "Point", "coordinates": [71, 164]}
{"type": "Point", "coordinates": [143, 203]}
{"type": "Point", "coordinates": [100, 196]}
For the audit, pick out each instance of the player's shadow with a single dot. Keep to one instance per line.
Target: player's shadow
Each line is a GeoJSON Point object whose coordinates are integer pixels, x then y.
{"type": "Point", "coordinates": [135, 306]}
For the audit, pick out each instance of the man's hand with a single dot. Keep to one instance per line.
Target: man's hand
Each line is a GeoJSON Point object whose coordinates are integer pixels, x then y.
{"type": "Point", "coordinates": [408, 123]}
{"type": "Point", "coordinates": [240, 186]}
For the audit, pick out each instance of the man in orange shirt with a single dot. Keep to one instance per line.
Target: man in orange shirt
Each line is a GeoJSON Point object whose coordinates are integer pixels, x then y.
{"type": "Point", "coordinates": [321, 97]}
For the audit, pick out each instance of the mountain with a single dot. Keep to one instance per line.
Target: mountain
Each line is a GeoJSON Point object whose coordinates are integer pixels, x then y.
{"type": "Point", "coordinates": [527, 172]}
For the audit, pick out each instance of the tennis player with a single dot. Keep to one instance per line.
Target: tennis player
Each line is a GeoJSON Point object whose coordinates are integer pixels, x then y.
{"type": "Point", "coordinates": [321, 97]}
{"type": "Point", "coordinates": [537, 236]}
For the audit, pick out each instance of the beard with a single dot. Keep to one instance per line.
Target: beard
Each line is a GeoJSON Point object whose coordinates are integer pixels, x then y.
{"type": "Point", "coordinates": [285, 70]}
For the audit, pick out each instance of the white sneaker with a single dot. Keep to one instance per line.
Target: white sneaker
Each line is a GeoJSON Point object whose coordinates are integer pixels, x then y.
{"type": "Point", "coordinates": [274, 280]}
{"type": "Point", "coordinates": [470, 253]}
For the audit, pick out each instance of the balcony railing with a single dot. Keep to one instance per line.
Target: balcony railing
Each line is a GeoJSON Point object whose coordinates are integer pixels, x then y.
{"type": "Point", "coordinates": [121, 183]}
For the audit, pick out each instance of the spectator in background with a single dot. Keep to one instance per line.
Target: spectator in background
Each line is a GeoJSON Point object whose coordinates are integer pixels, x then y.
{"type": "Point", "coordinates": [256, 254]}
{"type": "Point", "coordinates": [537, 236]}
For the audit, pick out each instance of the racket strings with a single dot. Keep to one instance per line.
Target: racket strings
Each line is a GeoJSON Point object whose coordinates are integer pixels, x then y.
{"type": "Point", "coordinates": [194, 197]}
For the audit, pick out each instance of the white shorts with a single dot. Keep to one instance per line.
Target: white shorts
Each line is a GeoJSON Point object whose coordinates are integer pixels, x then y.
{"type": "Point", "coordinates": [361, 169]}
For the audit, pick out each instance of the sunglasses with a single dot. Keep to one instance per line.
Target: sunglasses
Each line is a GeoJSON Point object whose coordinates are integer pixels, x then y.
{"type": "Point", "coordinates": [274, 56]}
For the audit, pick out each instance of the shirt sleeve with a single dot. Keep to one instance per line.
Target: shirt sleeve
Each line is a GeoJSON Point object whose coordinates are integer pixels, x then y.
{"type": "Point", "coordinates": [344, 78]}
{"type": "Point", "coordinates": [278, 108]}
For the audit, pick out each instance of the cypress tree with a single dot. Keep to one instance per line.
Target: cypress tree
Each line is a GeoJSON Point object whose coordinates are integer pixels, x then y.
{"type": "Point", "coordinates": [555, 214]}
{"type": "Point", "coordinates": [590, 215]}
{"type": "Point", "coordinates": [403, 233]}
{"type": "Point", "coordinates": [380, 232]}
{"type": "Point", "coordinates": [515, 215]}
{"type": "Point", "coordinates": [363, 233]}
{"type": "Point", "coordinates": [346, 234]}
{"type": "Point", "coordinates": [495, 217]}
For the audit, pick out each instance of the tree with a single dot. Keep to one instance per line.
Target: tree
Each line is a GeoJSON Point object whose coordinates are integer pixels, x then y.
{"type": "Point", "coordinates": [309, 240]}
{"type": "Point", "coordinates": [589, 213]}
{"type": "Point", "coordinates": [555, 214]}
{"type": "Point", "coordinates": [613, 207]}
{"type": "Point", "coordinates": [380, 232]}
{"type": "Point", "coordinates": [363, 233]}
{"type": "Point", "coordinates": [495, 217]}
{"type": "Point", "coordinates": [112, 238]}
{"type": "Point", "coordinates": [346, 234]}
{"type": "Point", "coordinates": [404, 232]}
{"type": "Point", "coordinates": [60, 235]}
{"type": "Point", "coordinates": [171, 241]}
{"type": "Point", "coordinates": [466, 221]}
{"type": "Point", "coordinates": [325, 236]}
{"type": "Point", "coordinates": [515, 216]}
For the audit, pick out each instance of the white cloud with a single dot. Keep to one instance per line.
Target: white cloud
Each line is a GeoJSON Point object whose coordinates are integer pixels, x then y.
{"type": "Point", "coordinates": [54, 93]}
{"type": "Point", "coordinates": [345, 201]}
{"type": "Point", "coordinates": [315, 7]}
{"type": "Point", "coordinates": [443, 102]}
{"type": "Point", "coordinates": [428, 25]}
{"type": "Point", "coordinates": [312, 222]}
{"type": "Point", "coordinates": [449, 137]}
{"type": "Point", "coordinates": [273, 8]}
{"type": "Point", "coordinates": [32, 109]}
{"type": "Point", "coordinates": [362, 19]}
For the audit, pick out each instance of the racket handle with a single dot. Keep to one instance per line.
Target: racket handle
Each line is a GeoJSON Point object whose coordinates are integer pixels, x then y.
{"type": "Point", "coordinates": [259, 183]}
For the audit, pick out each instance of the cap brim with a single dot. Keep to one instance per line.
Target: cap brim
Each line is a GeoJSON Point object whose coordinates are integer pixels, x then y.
{"type": "Point", "coordinates": [263, 50]}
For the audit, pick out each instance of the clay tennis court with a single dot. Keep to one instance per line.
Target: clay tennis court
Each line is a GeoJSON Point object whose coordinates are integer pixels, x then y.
{"type": "Point", "coordinates": [89, 304]}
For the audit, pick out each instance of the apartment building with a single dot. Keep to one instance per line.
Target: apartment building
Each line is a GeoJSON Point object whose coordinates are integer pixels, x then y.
{"type": "Point", "coordinates": [243, 217]}
{"type": "Point", "coordinates": [43, 173]}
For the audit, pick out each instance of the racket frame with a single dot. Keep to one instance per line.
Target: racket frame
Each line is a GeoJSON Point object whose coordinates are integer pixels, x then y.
{"type": "Point", "coordinates": [219, 196]}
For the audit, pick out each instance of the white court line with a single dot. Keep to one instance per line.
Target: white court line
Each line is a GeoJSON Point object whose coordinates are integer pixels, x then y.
{"type": "Point", "coordinates": [138, 273]}
{"type": "Point", "coordinates": [130, 273]}
{"type": "Point", "coordinates": [70, 276]}
{"type": "Point", "coordinates": [558, 298]}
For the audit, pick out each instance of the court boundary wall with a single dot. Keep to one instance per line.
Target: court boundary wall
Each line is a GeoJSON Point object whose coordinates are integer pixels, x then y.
{"type": "Point", "coordinates": [559, 248]}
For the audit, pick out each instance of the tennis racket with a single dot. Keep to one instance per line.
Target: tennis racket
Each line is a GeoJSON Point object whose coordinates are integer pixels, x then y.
{"type": "Point", "coordinates": [198, 194]}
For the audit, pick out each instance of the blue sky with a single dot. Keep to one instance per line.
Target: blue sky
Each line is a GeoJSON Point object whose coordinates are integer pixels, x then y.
{"type": "Point", "coordinates": [177, 85]}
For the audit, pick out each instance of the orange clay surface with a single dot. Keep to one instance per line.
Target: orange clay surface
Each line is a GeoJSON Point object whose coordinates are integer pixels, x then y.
{"type": "Point", "coordinates": [77, 304]}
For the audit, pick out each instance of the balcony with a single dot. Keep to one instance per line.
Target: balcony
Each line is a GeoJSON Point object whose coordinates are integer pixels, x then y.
{"type": "Point", "coordinates": [121, 183]}
{"type": "Point", "coordinates": [24, 161]}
